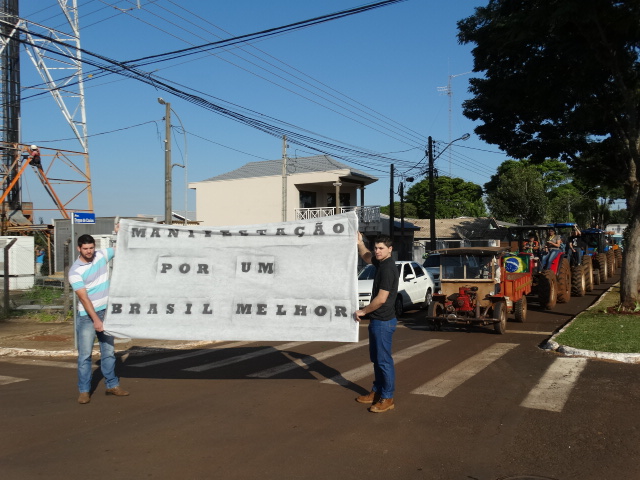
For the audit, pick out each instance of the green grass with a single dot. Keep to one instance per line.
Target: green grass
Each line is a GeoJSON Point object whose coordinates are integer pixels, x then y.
{"type": "Point", "coordinates": [595, 329]}
{"type": "Point", "coordinates": [44, 295]}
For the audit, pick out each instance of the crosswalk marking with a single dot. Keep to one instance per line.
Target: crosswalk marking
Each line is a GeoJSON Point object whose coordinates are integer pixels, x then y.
{"type": "Point", "coordinates": [307, 360]}
{"type": "Point", "coordinates": [553, 389]}
{"type": "Point", "coordinates": [361, 372]}
{"type": "Point", "coordinates": [240, 358]}
{"type": "Point", "coordinates": [7, 380]}
{"type": "Point", "coordinates": [456, 376]}
{"type": "Point", "coordinates": [41, 363]}
{"type": "Point", "coordinates": [187, 355]}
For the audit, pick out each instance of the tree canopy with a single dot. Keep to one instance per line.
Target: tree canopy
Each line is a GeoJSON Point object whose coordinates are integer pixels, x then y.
{"type": "Point", "coordinates": [561, 79]}
{"type": "Point", "coordinates": [455, 197]}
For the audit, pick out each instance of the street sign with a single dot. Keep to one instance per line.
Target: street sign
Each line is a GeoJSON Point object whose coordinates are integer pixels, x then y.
{"type": "Point", "coordinates": [83, 217]}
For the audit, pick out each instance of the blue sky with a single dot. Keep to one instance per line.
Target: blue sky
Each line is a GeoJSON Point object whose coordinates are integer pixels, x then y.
{"type": "Point", "coordinates": [369, 81]}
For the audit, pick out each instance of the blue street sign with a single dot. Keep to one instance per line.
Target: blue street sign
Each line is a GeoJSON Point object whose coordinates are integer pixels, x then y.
{"type": "Point", "coordinates": [83, 217]}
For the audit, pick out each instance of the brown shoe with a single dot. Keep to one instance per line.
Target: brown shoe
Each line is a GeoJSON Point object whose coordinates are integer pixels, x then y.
{"type": "Point", "coordinates": [117, 391]}
{"type": "Point", "coordinates": [84, 398]}
{"type": "Point", "coordinates": [382, 405]}
{"type": "Point", "coordinates": [370, 397]}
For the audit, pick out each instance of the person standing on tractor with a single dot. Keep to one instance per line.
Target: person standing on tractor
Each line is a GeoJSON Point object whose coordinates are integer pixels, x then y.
{"type": "Point", "coordinates": [554, 243]}
{"type": "Point", "coordinates": [576, 246]}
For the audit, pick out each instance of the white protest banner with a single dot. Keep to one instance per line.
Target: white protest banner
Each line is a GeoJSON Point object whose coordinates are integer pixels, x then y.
{"type": "Point", "coordinates": [281, 281]}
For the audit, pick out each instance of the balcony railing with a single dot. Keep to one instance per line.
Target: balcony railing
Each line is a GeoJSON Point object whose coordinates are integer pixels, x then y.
{"type": "Point", "coordinates": [365, 214]}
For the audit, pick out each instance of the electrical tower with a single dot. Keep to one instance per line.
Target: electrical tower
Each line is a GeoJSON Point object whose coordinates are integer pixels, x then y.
{"type": "Point", "coordinates": [65, 174]}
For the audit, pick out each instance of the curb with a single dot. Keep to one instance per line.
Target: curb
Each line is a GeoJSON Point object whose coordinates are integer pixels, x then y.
{"type": "Point", "coordinates": [551, 344]}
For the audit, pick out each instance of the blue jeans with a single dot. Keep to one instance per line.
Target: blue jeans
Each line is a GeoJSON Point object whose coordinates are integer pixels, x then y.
{"type": "Point", "coordinates": [548, 259]}
{"type": "Point", "coordinates": [86, 336]}
{"type": "Point", "coordinates": [380, 337]}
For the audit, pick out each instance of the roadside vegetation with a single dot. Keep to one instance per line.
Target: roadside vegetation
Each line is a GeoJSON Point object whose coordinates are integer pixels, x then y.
{"type": "Point", "coordinates": [603, 328]}
{"type": "Point", "coordinates": [50, 299]}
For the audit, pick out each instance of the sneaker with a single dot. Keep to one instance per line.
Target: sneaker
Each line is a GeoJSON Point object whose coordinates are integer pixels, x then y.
{"type": "Point", "coordinates": [84, 398]}
{"type": "Point", "coordinates": [117, 391]}
{"type": "Point", "coordinates": [370, 397]}
{"type": "Point", "coordinates": [382, 405]}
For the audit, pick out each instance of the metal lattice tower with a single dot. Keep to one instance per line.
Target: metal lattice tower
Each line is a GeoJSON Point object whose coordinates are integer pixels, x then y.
{"type": "Point", "coordinates": [56, 56]}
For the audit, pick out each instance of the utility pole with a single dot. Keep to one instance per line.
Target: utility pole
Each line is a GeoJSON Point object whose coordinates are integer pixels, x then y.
{"type": "Point", "coordinates": [432, 198]}
{"type": "Point", "coordinates": [284, 178]}
{"type": "Point", "coordinates": [402, 220]}
{"type": "Point", "coordinates": [168, 217]}
{"type": "Point", "coordinates": [391, 213]}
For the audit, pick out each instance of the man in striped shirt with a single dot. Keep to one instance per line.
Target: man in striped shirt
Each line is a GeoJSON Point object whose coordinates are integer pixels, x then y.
{"type": "Point", "coordinates": [89, 278]}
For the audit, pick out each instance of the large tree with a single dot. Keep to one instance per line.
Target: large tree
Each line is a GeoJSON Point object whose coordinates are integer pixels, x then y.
{"type": "Point", "coordinates": [454, 198]}
{"type": "Point", "coordinates": [561, 79]}
{"type": "Point", "coordinates": [517, 194]}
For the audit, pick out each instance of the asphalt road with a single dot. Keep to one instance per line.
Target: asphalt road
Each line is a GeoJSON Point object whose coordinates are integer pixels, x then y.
{"type": "Point", "coordinates": [470, 405]}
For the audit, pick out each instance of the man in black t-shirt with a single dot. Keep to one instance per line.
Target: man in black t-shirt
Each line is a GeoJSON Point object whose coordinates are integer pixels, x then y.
{"type": "Point", "coordinates": [382, 322]}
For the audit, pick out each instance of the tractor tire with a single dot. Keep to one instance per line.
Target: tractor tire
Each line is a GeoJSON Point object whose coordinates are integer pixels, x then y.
{"type": "Point", "coordinates": [578, 281]}
{"type": "Point", "coordinates": [588, 272]}
{"type": "Point", "coordinates": [520, 309]}
{"type": "Point", "coordinates": [601, 264]}
{"type": "Point", "coordinates": [618, 255]}
{"type": "Point", "coordinates": [596, 277]}
{"type": "Point", "coordinates": [547, 289]}
{"type": "Point", "coordinates": [611, 263]}
{"type": "Point", "coordinates": [564, 281]}
{"type": "Point", "coordinates": [500, 314]}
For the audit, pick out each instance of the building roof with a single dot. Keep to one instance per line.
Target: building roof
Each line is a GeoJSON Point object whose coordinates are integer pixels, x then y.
{"type": "Point", "coordinates": [461, 227]}
{"type": "Point", "coordinates": [270, 168]}
{"type": "Point", "coordinates": [397, 223]}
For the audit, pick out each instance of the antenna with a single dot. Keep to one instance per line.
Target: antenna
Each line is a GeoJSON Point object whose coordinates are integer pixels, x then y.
{"type": "Point", "coordinates": [449, 92]}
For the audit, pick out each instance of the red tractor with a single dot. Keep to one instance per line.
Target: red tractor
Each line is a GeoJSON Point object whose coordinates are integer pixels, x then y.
{"type": "Point", "coordinates": [553, 284]}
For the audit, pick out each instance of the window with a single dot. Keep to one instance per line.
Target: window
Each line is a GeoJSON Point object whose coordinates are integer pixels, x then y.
{"type": "Point", "coordinates": [345, 199]}
{"type": "Point", "coordinates": [308, 199]}
{"type": "Point", "coordinates": [406, 270]}
{"type": "Point", "coordinates": [419, 271]}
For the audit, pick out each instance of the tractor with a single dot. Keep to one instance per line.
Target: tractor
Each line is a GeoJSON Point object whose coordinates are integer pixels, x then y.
{"type": "Point", "coordinates": [554, 284]}
{"type": "Point", "coordinates": [481, 286]}
{"type": "Point", "coordinates": [600, 248]}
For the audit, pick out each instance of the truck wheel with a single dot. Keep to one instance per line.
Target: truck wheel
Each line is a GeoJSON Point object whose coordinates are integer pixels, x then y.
{"type": "Point", "coordinates": [435, 309]}
{"type": "Point", "coordinates": [578, 281]}
{"type": "Point", "coordinates": [500, 314]}
{"type": "Point", "coordinates": [399, 306]}
{"type": "Point", "coordinates": [564, 281]}
{"type": "Point", "coordinates": [547, 292]}
{"type": "Point", "coordinates": [520, 309]}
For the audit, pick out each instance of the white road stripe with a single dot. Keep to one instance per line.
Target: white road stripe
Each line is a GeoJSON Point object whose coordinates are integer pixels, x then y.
{"type": "Point", "coordinates": [240, 358]}
{"type": "Point", "coordinates": [41, 363]}
{"type": "Point", "coordinates": [553, 389]}
{"type": "Point", "coordinates": [456, 376]}
{"type": "Point", "coordinates": [308, 360]}
{"type": "Point", "coordinates": [365, 370]}
{"type": "Point", "coordinates": [187, 355]}
{"type": "Point", "coordinates": [7, 380]}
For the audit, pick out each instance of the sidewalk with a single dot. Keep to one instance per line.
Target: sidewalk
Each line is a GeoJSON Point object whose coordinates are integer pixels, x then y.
{"type": "Point", "coordinates": [29, 337]}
